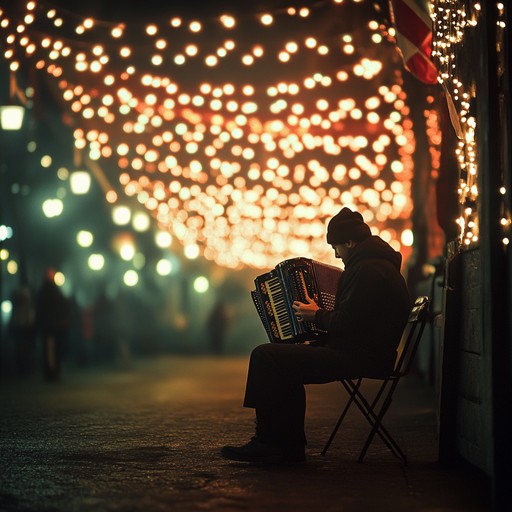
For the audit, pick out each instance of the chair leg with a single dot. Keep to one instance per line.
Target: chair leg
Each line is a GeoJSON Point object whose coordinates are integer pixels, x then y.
{"type": "Point", "coordinates": [375, 420]}
{"type": "Point", "coordinates": [343, 414]}
{"type": "Point", "coordinates": [378, 428]}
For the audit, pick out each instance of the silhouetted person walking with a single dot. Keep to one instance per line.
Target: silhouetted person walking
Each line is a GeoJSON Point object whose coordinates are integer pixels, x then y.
{"type": "Point", "coordinates": [22, 328]}
{"type": "Point", "coordinates": [53, 322]}
{"type": "Point", "coordinates": [217, 326]}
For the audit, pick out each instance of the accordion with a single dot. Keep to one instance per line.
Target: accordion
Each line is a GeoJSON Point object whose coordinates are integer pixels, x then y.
{"type": "Point", "coordinates": [275, 292]}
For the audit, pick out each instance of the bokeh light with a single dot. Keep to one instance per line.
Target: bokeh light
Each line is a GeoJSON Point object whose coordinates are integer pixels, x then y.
{"type": "Point", "coordinates": [240, 137]}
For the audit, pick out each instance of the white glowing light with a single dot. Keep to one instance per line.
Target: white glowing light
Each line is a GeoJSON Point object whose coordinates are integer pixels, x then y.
{"type": "Point", "coordinates": [163, 267]}
{"type": "Point", "coordinates": [131, 278]}
{"type": "Point", "coordinates": [53, 207]}
{"type": "Point", "coordinates": [201, 284]}
{"type": "Point", "coordinates": [84, 238]}
{"type": "Point", "coordinates": [96, 261]}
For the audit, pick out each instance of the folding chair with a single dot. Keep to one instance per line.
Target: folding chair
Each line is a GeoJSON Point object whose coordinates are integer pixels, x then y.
{"type": "Point", "coordinates": [375, 409]}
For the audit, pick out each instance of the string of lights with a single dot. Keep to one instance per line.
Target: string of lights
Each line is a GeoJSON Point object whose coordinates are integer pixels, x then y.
{"type": "Point", "coordinates": [504, 191]}
{"type": "Point", "coordinates": [452, 21]}
{"type": "Point", "coordinates": [242, 136]}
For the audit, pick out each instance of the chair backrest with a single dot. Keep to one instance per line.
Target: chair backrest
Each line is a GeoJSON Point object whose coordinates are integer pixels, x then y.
{"type": "Point", "coordinates": [412, 335]}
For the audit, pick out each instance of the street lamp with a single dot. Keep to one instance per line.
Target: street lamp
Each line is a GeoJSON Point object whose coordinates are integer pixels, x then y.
{"type": "Point", "coordinates": [80, 182]}
{"type": "Point", "coordinates": [11, 116]}
{"type": "Point", "coordinates": [12, 111]}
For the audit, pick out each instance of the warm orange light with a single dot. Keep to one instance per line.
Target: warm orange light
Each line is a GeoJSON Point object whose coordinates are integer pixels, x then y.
{"type": "Point", "coordinates": [244, 147]}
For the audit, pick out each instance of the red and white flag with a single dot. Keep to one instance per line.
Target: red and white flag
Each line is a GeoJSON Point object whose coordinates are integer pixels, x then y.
{"type": "Point", "coordinates": [413, 27]}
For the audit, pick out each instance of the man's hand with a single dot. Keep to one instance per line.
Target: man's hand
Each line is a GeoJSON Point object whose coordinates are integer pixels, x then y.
{"type": "Point", "coordinates": [305, 311]}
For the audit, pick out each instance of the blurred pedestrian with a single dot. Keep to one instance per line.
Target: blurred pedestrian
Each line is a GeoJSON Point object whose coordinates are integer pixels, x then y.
{"type": "Point", "coordinates": [22, 327]}
{"type": "Point", "coordinates": [53, 323]}
{"type": "Point", "coordinates": [217, 325]}
{"type": "Point", "coordinates": [104, 330]}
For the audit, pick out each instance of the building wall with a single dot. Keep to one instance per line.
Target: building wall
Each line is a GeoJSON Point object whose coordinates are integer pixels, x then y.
{"type": "Point", "coordinates": [474, 406]}
{"type": "Point", "coordinates": [475, 413]}
{"type": "Point", "coordinates": [465, 376]}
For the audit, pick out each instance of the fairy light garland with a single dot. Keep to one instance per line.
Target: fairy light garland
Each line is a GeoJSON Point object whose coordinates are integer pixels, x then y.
{"type": "Point", "coordinates": [241, 136]}
{"type": "Point", "coordinates": [506, 217]}
{"type": "Point", "coordinates": [452, 21]}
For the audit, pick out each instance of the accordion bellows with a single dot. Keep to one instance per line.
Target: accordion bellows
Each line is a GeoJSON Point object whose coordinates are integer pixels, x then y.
{"type": "Point", "coordinates": [275, 292]}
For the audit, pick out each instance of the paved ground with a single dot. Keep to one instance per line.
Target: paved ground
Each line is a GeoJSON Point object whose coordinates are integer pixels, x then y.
{"type": "Point", "coordinates": [146, 437]}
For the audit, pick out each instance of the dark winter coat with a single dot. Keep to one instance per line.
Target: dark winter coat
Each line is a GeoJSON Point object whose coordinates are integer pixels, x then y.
{"type": "Point", "coordinates": [372, 305]}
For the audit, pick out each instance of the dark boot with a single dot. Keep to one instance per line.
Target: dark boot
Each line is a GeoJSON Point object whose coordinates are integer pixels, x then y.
{"type": "Point", "coordinates": [260, 452]}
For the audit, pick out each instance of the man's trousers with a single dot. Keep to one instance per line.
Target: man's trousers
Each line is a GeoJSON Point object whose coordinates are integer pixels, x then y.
{"type": "Point", "coordinates": [275, 386]}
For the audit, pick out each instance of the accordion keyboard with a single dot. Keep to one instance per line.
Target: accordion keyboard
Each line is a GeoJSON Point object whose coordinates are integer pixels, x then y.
{"type": "Point", "coordinates": [278, 303]}
{"type": "Point", "coordinates": [291, 280]}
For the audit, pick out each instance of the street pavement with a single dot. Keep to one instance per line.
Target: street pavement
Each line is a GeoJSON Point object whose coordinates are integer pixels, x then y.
{"type": "Point", "coordinates": [145, 436]}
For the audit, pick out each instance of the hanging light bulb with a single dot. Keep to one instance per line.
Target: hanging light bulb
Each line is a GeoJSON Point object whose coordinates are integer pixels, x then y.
{"type": "Point", "coordinates": [80, 182]}
{"type": "Point", "coordinates": [11, 116]}
{"type": "Point", "coordinates": [12, 112]}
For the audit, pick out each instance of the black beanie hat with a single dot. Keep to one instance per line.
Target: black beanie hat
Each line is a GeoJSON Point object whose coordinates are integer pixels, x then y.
{"type": "Point", "coordinates": [347, 225]}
